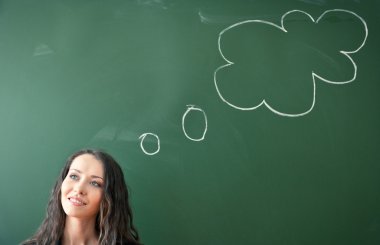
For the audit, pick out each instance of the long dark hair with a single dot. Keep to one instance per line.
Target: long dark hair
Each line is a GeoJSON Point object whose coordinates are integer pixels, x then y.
{"type": "Point", "coordinates": [114, 222]}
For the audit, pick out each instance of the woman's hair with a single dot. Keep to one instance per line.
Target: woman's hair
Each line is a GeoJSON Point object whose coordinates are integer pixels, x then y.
{"type": "Point", "coordinates": [114, 222]}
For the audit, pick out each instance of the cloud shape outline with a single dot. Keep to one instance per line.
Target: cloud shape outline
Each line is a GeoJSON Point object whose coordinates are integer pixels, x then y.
{"type": "Point", "coordinates": [314, 75]}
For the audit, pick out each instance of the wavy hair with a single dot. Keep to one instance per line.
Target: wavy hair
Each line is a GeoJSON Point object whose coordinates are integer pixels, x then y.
{"type": "Point", "coordinates": [114, 222]}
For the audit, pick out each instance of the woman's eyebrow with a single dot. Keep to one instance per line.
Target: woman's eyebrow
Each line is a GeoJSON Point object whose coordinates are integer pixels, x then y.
{"type": "Point", "coordinates": [92, 176]}
{"type": "Point", "coordinates": [76, 170]}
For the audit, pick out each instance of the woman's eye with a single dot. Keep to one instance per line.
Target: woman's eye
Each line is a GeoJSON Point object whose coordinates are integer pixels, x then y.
{"type": "Point", "coordinates": [73, 176]}
{"type": "Point", "coordinates": [94, 183]}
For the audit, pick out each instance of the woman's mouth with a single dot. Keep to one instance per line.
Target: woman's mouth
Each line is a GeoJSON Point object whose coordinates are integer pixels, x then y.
{"type": "Point", "coordinates": [76, 201]}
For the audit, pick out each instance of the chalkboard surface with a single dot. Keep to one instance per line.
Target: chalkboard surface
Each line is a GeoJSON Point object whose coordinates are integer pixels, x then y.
{"type": "Point", "coordinates": [235, 122]}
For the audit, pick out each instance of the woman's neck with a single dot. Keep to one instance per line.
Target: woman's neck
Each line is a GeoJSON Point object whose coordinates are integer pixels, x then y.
{"type": "Point", "coordinates": [79, 232]}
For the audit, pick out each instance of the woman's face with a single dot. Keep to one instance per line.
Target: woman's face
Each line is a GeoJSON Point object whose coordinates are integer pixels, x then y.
{"type": "Point", "coordinates": [82, 189]}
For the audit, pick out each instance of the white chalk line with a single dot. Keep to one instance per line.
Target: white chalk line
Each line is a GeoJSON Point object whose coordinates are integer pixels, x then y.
{"type": "Point", "coordinates": [142, 138]}
{"type": "Point", "coordinates": [194, 108]}
{"type": "Point", "coordinates": [314, 75]}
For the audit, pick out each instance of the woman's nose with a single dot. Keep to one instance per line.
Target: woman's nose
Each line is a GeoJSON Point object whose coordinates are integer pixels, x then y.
{"type": "Point", "coordinates": [79, 188]}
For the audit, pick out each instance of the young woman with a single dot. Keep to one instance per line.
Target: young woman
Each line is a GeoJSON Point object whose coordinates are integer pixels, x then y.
{"type": "Point", "coordinates": [89, 204]}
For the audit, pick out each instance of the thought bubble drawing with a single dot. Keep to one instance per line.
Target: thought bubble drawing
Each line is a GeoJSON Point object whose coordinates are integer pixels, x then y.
{"type": "Point", "coordinates": [277, 65]}
{"type": "Point", "coordinates": [189, 109]}
{"type": "Point", "coordinates": [142, 138]}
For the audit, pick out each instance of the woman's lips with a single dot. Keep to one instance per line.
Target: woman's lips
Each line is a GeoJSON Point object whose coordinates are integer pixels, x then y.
{"type": "Point", "coordinates": [76, 201]}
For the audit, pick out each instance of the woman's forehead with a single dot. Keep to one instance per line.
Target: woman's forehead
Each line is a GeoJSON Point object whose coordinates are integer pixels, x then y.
{"type": "Point", "coordinates": [88, 164]}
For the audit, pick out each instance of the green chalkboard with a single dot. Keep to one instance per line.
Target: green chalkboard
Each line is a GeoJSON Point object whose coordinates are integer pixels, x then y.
{"type": "Point", "coordinates": [235, 122]}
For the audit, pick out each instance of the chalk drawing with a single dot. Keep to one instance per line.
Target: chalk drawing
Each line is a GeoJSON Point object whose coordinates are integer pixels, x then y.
{"type": "Point", "coordinates": [189, 109]}
{"type": "Point", "coordinates": [142, 138]}
{"type": "Point", "coordinates": [154, 3]}
{"type": "Point", "coordinates": [42, 49]}
{"type": "Point", "coordinates": [314, 75]}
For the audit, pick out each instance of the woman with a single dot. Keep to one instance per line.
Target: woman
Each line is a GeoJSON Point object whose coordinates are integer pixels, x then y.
{"type": "Point", "coordinates": [89, 204]}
